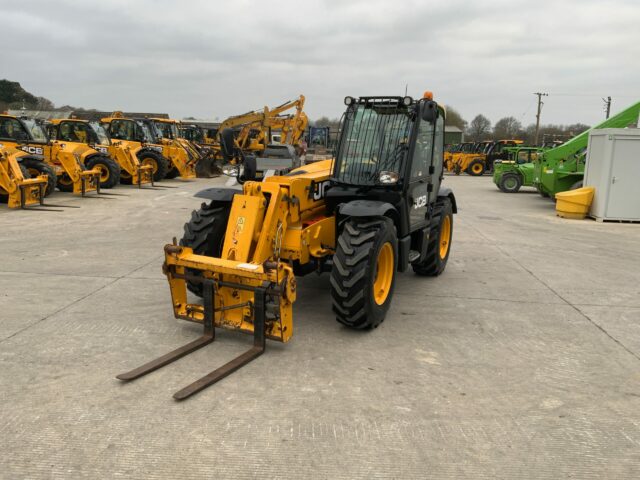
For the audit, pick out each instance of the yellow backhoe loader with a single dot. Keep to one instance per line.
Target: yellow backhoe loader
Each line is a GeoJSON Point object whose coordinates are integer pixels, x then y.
{"type": "Point", "coordinates": [17, 189]}
{"type": "Point", "coordinates": [377, 209]}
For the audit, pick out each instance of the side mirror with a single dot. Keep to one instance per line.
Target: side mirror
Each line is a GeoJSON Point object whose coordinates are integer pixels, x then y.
{"type": "Point", "coordinates": [429, 111]}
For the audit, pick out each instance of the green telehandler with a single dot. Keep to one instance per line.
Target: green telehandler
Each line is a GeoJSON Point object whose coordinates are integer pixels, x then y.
{"type": "Point", "coordinates": [562, 168]}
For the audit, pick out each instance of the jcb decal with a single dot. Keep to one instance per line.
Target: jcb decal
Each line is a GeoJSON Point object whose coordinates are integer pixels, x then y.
{"type": "Point", "coordinates": [101, 149]}
{"type": "Point", "coordinates": [33, 150]}
{"type": "Point", "coordinates": [420, 202]}
{"type": "Point", "coordinates": [319, 190]}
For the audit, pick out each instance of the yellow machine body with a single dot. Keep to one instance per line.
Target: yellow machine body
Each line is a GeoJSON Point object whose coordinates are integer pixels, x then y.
{"type": "Point", "coordinates": [182, 157]}
{"type": "Point", "coordinates": [124, 153]}
{"type": "Point", "coordinates": [261, 240]}
{"type": "Point", "coordinates": [20, 191]}
{"type": "Point", "coordinates": [67, 159]}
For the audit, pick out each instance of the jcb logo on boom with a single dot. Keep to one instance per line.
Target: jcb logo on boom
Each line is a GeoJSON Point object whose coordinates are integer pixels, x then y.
{"type": "Point", "coordinates": [319, 190]}
{"type": "Point", "coordinates": [420, 202]}
{"type": "Point", "coordinates": [101, 149]}
{"type": "Point", "coordinates": [33, 150]}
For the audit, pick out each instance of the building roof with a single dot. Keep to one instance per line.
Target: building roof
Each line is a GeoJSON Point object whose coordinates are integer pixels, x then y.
{"type": "Point", "coordinates": [452, 129]}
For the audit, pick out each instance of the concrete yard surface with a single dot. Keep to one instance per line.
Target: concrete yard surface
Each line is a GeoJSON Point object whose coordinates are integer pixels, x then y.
{"type": "Point", "coordinates": [522, 360]}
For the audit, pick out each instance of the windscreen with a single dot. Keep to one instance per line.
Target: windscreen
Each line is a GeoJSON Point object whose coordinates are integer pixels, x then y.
{"type": "Point", "coordinates": [101, 133]}
{"type": "Point", "coordinates": [36, 130]}
{"type": "Point", "coordinates": [375, 138]}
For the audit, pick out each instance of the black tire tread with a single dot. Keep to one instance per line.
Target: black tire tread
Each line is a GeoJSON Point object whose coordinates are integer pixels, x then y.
{"type": "Point", "coordinates": [349, 279]}
{"type": "Point", "coordinates": [204, 234]}
{"type": "Point", "coordinates": [432, 266]}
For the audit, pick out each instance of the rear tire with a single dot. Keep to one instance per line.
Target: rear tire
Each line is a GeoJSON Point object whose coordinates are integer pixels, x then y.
{"type": "Point", "coordinates": [204, 234]}
{"type": "Point", "coordinates": [39, 167]}
{"type": "Point", "coordinates": [109, 170]}
{"type": "Point", "coordinates": [476, 168]}
{"type": "Point", "coordinates": [364, 272]}
{"type": "Point", "coordinates": [440, 238]}
{"type": "Point", "coordinates": [172, 172]}
{"type": "Point", "coordinates": [510, 183]}
{"type": "Point", "coordinates": [157, 161]}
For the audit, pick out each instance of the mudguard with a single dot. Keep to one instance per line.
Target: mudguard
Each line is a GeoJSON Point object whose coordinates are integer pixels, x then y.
{"type": "Point", "coordinates": [222, 195]}
{"type": "Point", "coordinates": [447, 192]}
{"type": "Point", "coordinates": [367, 208]}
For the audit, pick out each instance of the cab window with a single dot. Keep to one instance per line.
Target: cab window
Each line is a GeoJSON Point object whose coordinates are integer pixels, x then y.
{"type": "Point", "coordinates": [12, 129]}
{"type": "Point", "coordinates": [423, 151]}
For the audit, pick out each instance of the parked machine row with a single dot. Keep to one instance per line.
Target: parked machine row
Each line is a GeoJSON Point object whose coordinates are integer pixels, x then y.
{"type": "Point", "coordinates": [83, 157]}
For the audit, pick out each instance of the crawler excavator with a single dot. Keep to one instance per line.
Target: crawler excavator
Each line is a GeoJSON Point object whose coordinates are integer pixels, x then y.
{"type": "Point", "coordinates": [379, 208]}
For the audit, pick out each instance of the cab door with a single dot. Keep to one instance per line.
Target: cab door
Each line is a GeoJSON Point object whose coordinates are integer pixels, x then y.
{"type": "Point", "coordinates": [426, 170]}
{"type": "Point", "coordinates": [420, 176]}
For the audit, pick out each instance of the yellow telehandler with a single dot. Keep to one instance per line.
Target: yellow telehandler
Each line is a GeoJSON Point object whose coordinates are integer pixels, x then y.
{"type": "Point", "coordinates": [130, 171]}
{"type": "Point", "coordinates": [17, 189]}
{"type": "Point", "coordinates": [377, 209]}
{"type": "Point", "coordinates": [134, 136]}
{"type": "Point", "coordinates": [182, 157]}
{"type": "Point", "coordinates": [77, 166]}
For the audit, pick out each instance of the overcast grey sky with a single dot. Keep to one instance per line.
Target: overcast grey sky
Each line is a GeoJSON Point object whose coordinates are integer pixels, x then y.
{"type": "Point", "coordinates": [217, 58]}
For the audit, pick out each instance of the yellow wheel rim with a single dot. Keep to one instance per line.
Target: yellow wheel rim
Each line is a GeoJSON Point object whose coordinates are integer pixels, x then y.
{"type": "Point", "coordinates": [384, 274]}
{"type": "Point", "coordinates": [153, 163]}
{"type": "Point", "coordinates": [445, 237]}
{"type": "Point", "coordinates": [104, 173]}
{"type": "Point", "coordinates": [477, 168]}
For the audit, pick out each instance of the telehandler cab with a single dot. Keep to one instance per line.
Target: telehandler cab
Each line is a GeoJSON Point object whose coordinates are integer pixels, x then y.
{"type": "Point", "coordinates": [378, 209]}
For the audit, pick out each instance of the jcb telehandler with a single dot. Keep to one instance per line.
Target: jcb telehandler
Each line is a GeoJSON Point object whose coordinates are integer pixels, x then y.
{"type": "Point", "coordinates": [17, 189]}
{"type": "Point", "coordinates": [182, 157]}
{"type": "Point", "coordinates": [74, 162]}
{"type": "Point", "coordinates": [125, 166]}
{"type": "Point", "coordinates": [136, 136]}
{"type": "Point", "coordinates": [378, 209]}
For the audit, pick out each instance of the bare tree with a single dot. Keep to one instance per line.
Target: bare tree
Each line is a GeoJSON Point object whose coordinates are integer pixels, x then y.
{"type": "Point", "coordinates": [506, 128]}
{"type": "Point", "coordinates": [455, 119]}
{"type": "Point", "coordinates": [479, 128]}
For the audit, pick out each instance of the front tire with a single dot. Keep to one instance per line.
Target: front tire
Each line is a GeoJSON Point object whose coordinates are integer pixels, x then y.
{"type": "Point", "coordinates": [39, 167]}
{"type": "Point", "coordinates": [439, 247]}
{"type": "Point", "coordinates": [476, 168]}
{"type": "Point", "coordinates": [204, 234]}
{"type": "Point", "coordinates": [109, 170]}
{"type": "Point", "coordinates": [510, 183]}
{"type": "Point", "coordinates": [158, 162]}
{"type": "Point", "coordinates": [364, 272]}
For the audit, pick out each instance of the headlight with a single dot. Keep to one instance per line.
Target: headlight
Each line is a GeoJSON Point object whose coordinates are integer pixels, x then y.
{"type": "Point", "coordinates": [230, 170]}
{"type": "Point", "coordinates": [388, 177]}
{"type": "Point", "coordinates": [406, 101]}
{"type": "Point", "coordinates": [349, 101]}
